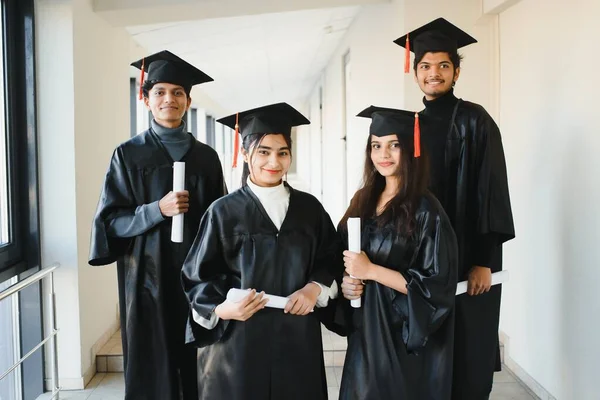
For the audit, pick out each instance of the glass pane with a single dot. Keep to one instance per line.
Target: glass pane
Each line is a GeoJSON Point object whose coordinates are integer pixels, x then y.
{"type": "Point", "coordinates": [4, 204]}
{"type": "Point", "coordinates": [9, 345]}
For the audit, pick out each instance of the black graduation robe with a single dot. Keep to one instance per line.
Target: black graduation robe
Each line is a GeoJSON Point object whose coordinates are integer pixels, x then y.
{"type": "Point", "coordinates": [272, 355]}
{"type": "Point", "coordinates": [469, 178]}
{"type": "Point", "coordinates": [153, 307]}
{"type": "Point", "coordinates": [400, 346]}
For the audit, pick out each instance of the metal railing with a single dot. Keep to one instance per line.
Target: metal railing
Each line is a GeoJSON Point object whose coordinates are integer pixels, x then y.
{"type": "Point", "coordinates": [17, 287]}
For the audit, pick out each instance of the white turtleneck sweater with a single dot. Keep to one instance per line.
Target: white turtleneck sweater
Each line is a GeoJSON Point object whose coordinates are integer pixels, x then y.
{"type": "Point", "coordinates": [275, 200]}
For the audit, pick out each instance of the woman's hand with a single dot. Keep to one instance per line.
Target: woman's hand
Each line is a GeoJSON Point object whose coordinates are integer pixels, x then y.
{"type": "Point", "coordinates": [303, 301]}
{"type": "Point", "coordinates": [352, 288]}
{"type": "Point", "coordinates": [358, 265]}
{"type": "Point", "coordinates": [242, 310]}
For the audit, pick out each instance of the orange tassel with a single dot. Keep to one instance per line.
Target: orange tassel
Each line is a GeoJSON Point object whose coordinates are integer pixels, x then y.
{"type": "Point", "coordinates": [142, 80]}
{"type": "Point", "coordinates": [236, 142]}
{"type": "Point", "coordinates": [407, 56]}
{"type": "Point", "coordinates": [417, 136]}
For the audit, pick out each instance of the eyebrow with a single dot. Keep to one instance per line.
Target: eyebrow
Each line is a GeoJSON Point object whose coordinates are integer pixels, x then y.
{"type": "Point", "coordinates": [441, 62]}
{"type": "Point", "coordinates": [158, 87]}
{"type": "Point", "coordinates": [270, 148]}
{"type": "Point", "coordinates": [389, 141]}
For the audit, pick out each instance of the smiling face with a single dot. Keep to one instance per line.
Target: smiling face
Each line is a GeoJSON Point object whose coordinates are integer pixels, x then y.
{"type": "Point", "coordinates": [435, 74]}
{"type": "Point", "coordinates": [385, 154]}
{"type": "Point", "coordinates": [168, 103]}
{"type": "Point", "coordinates": [268, 160]}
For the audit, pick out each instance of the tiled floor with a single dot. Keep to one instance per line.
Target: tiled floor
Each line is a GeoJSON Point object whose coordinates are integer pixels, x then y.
{"type": "Point", "coordinates": [110, 386]}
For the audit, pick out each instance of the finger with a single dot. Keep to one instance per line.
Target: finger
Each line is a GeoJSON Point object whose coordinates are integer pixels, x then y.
{"type": "Point", "coordinates": [258, 306]}
{"type": "Point", "coordinates": [307, 309]}
{"type": "Point", "coordinates": [246, 300]}
{"type": "Point", "coordinates": [297, 306]}
{"type": "Point", "coordinates": [351, 280]}
{"type": "Point", "coordinates": [470, 288]}
{"type": "Point", "coordinates": [291, 303]}
{"type": "Point", "coordinates": [256, 301]}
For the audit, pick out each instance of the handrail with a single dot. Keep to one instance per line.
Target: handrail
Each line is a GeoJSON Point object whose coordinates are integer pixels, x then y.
{"type": "Point", "coordinates": [13, 289]}
{"type": "Point", "coordinates": [9, 291]}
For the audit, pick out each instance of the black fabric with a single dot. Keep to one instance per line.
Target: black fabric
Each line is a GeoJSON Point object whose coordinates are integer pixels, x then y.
{"type": "Point", "coordinates": [388, 121]}
{"type": "Point", "coordinates": [165, 66]}
{"type": "Point", "coordinates": [274, 118]}
{"type": "Point", "coordinates": [472, 186]}
{"type": "Point", "coordinates": [400, 346]}
{"type": "Point", "coordinates": [152, 304]}
{"type": "Point", "coordinates": [435, 36]}
{"type": "Point", "coordinates": [272, 355]}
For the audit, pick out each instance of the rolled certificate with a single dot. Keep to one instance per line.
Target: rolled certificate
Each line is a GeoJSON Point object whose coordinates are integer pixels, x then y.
{"type": "Point", "coordinates": [497, 279]}
{"type": "Point", "coordinates": [178, 185]}
{"type": "Point", "coordinates": [354, 246]}
{"type": "Point", "coordinates": [237, 295]}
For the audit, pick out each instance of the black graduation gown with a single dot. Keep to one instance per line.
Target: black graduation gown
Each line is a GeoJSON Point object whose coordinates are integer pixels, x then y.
{"type": "Point", "coordinates": [400, 346]}
{"type": "Point", "coordinates": [152, 304]}
{"type": "Point", "coordinates": [470, 180]}
{"type": "Point", "coordinates": [272, 355]}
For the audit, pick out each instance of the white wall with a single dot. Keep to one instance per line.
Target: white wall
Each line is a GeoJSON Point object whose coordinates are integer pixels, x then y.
{"type": "Point", "coordinates": [83, 113]}
{"type": "Point", "coordinates": [101, 83]}
{"type": "Point", "coordinates": [375, 79]}
{"type": "Point", "coordinates": [56, 135]}
{"type": "Point", "coordinates": [551, 309]}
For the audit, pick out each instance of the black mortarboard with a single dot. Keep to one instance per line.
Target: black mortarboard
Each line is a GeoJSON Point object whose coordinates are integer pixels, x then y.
{"type": "Point", "coordinates": [388, 121]}
{"type": "Point", "coordinates": [165, 66]}
{"type": "Point", "coordinates": [274, 118]}
{"type": "Point", "coordinates": [438, 35]}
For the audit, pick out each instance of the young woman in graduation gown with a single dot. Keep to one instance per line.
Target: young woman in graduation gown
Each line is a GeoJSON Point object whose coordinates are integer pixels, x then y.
{"type": "Point", "coordinates": [401, 338]}
{"type": "Point", "coordinates": [272, 239]}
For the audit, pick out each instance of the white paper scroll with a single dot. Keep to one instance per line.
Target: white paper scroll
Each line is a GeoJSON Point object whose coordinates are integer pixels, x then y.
{"type": "Point", "coordinates": [354, 246]}
{"type": "Point", "coordinates": [497, 279]}
{"type": "Point", "coordinates": [178, 185]}
{"type": "Point", "coordinates": [237, 295]}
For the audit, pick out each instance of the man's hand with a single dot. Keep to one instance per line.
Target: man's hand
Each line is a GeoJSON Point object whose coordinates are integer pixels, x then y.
{"type": "Point", "coordinates": [303, 301]}
{"type": "Point", "coordinates": [480, 281]}
{"type": "Point", "coordinates": [352, 288]}
{"type": "Point", "coordinates": [242, 310]}
{"type": "Point", "coordinates": [174, 203]}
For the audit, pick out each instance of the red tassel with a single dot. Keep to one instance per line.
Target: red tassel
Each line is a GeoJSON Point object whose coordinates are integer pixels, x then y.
{"type": "Point", "coordinates": [236, 142]}
{"type": "Point", "coordinates": [407, 56]}
{"type": "Point", "coordinates": [417, 136]}
{"type": "Point", "coordinates": [142, 80]}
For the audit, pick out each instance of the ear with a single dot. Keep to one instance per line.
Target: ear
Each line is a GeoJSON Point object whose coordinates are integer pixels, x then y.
{"type": "Point", "coordinates": [456, 74]}
{"type": "Point", "coordinates": [245, 156]}
{"type": "Point", "coordinates": [189, 103]}
{"type": "Point", "coordinates": [146, 102]}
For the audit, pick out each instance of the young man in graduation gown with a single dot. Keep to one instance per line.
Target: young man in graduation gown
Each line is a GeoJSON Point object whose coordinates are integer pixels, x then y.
{"type": "Point", "coordinates": [132, 226]}
{"type": "Point", "coordinates": [469, 178]}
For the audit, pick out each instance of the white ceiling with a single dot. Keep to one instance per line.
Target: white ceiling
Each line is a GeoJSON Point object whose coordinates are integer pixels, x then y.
{"type": "Point", "coordinates": [255, 59]}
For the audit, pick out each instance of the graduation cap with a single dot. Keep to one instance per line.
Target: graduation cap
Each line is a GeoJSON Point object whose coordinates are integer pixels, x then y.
{"type": "Point", "coordinates": [388, 121]}
{"type": "Point", "coordinates": [274, 118]}
{"type": "Point", "coordinates": [165, 66]}
{"type": "Point", "coordinates": [436, 36]}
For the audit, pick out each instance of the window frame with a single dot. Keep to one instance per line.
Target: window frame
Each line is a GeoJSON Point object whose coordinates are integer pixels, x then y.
{"type": "Point", "coordinates": [22, 253]}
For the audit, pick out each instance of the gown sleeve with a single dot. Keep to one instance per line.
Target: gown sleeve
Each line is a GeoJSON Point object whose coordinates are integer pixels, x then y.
{"type": "Point", "coordinates": [494, 214]}
{"type": "Point", "coordinates": [205, 282]}
{"type": "Point", "coordinates": [116, 198]}
{"type": "Point", "coordinates": [431, 281]}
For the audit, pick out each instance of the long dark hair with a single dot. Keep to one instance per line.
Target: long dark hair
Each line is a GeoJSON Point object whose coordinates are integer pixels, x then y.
{"type": "Point", "coordinates": [254, 140]}
{"type": "Point", "coordinates": [400, 210]}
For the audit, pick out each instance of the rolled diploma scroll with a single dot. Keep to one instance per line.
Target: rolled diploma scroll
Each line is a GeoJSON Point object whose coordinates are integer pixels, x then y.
{"type": "Point", "coordinates": [237, 295]}
{"type": "Point", "coordinates": [178, 185]}
{"type": "Point", "coordinates": [497, 278]}
{"type": "Point", "coordinates": [354, 246]}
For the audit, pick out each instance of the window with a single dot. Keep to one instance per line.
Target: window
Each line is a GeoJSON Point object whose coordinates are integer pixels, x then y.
{"type": "Point", "coordinates": [20, 315]}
